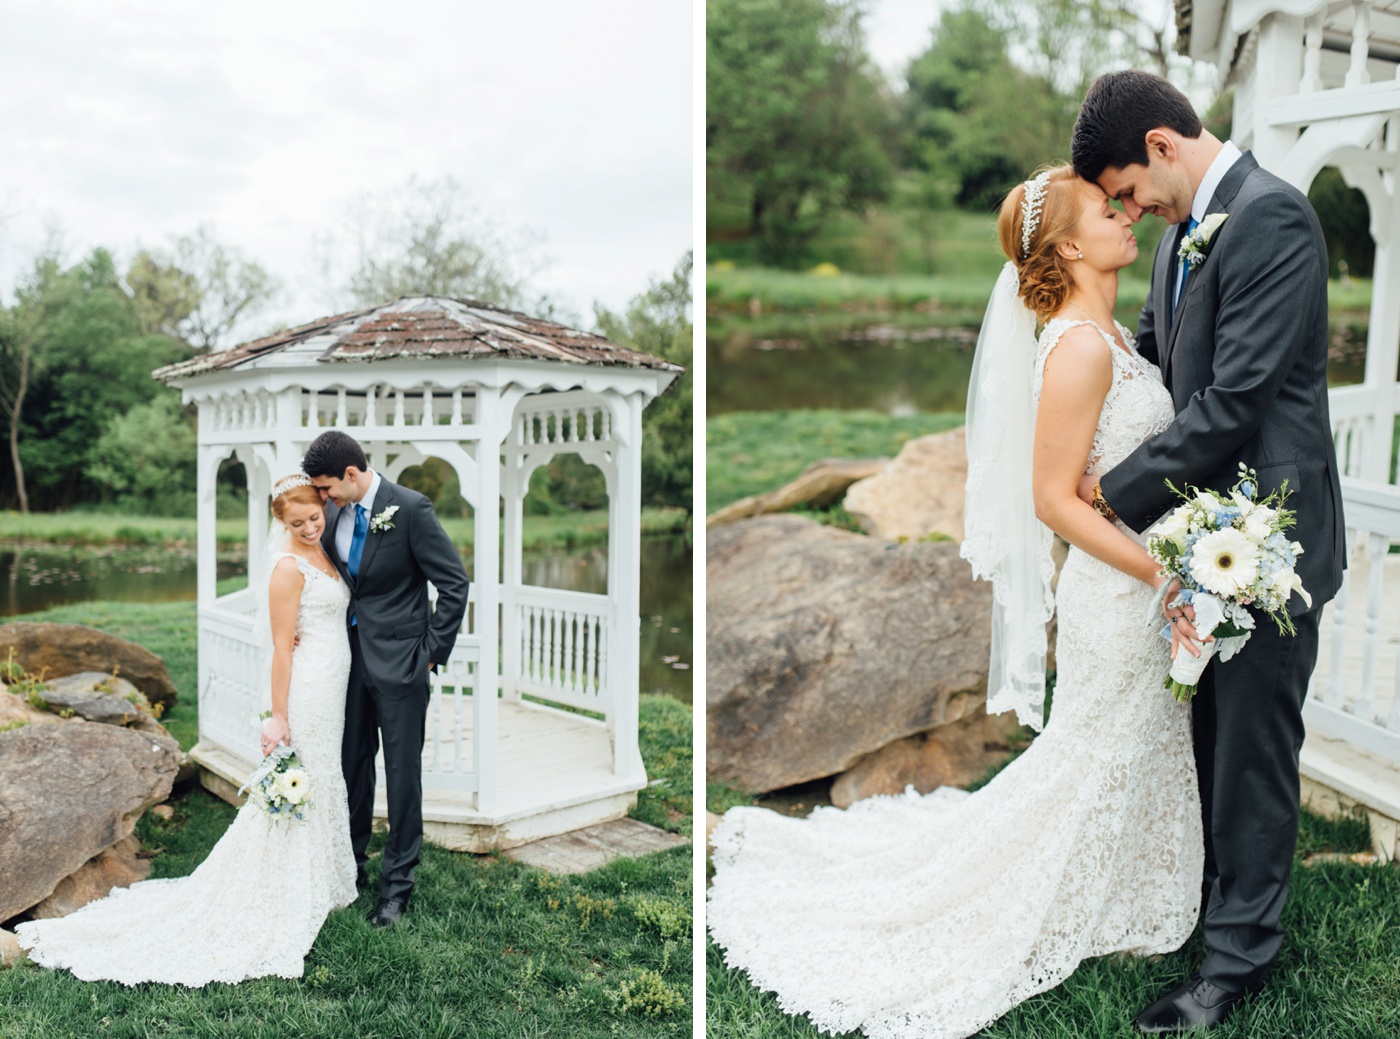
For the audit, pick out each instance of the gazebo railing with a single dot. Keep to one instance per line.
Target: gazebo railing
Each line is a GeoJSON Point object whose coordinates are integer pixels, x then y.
{"type": "Point", "coordinates": [1363, 709]}
{"type": "Point", "coordinates": [234, 688]}
{"type": "Point", "coordinates": [563, 647]}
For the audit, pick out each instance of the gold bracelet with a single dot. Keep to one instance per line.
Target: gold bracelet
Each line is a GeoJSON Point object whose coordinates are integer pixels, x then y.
{"type": "Point", "coordinates": [1102, 507]}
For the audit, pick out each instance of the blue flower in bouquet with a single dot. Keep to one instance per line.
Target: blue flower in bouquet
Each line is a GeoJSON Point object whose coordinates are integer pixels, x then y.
{"type": "Point", "coordinates": [1248, 489]}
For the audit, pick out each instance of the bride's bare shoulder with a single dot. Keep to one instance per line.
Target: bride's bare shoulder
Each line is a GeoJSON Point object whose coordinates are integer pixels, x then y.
{"type": "Point", "coordinates": [1080, 346]}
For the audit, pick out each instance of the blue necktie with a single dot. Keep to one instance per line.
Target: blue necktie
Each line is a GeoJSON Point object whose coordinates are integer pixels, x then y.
{"type": "Point", "coordinates": [1185, 270]}
{"type": "Point", "coordinates": [357, 549]}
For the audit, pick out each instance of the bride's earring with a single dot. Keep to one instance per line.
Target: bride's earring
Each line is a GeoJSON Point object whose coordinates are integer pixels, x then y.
{"type": "Point", "coordinates": [1081, 255]}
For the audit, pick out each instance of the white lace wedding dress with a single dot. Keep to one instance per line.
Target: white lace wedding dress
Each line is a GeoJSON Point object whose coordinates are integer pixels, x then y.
{"type": "Point", "coordinates": [255, 905]}
{"type": "Point", "coordinates": [931, 916]}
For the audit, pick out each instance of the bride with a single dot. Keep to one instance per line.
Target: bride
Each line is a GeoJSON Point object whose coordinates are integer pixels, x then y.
{"type": "Point", "coordinates": [932, 916]}
{"type": "Point", "coordinates": [256, 904]}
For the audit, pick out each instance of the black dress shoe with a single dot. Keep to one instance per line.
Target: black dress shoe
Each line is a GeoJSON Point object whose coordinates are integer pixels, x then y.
{"type": "Point", "coordinates": [388, 912]}
{"type": "Point", "coordinates": [1195, 1004]}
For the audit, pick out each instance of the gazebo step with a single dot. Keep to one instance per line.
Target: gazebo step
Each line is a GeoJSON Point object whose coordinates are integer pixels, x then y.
{"type": "Point", "coordinates": [1338, 778]}
{"type": "Point", "coordinates": [580, 851]}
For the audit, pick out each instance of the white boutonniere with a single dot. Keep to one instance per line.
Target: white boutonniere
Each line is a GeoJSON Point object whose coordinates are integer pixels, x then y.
{"type": "Point", "coordinates": [384, 521]}
{"type": "Point", "coordinates": [1196, 245]}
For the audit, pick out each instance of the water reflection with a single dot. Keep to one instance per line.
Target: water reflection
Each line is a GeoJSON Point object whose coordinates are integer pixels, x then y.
{"type": "Point", "coordinates": [897, 367]}
{"type": "Point", "coordinates": [42, 577]}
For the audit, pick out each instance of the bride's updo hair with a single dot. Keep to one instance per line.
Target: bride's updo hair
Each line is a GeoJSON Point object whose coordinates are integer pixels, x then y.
{"type": "Point", "coordinates": [295, 489]}
{"type": "Point", "coordinates": [1044, 273]}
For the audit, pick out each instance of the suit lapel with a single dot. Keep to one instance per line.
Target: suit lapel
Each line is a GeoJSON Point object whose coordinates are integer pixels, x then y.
{"type": "Point", "coordinates": [1163, 276]}
{"type": "Point", "coordinates": [382, 501]}
{"type": "Point", "coordinates": [1225, 193]}
{"type": "Point", "coordinates": [328, 542]}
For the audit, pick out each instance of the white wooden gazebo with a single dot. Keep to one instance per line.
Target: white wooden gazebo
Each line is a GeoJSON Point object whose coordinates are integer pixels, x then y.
{"type": "Point", "coordinates": [532, 726]}
{"type": "Point", "coordinates": [1317, 83]}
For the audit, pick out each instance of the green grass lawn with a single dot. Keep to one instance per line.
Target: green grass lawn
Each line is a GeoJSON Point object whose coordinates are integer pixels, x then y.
{"type": "Point", "coordinates": [490, 947]}
{"type": "Point", "coordinates": [582, 527]}
{"type": "Point", "coordinates": [749, 452]}
{"type": "Point", "coordinates": [1338, 976]}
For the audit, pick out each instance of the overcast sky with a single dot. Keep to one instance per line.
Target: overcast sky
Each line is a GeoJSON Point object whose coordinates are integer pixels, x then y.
{"type": "Point", "coordinates": [129, 121]}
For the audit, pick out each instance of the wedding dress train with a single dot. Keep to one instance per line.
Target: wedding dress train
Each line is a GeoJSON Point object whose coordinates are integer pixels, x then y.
{"type": "Point", "coordinates": [931, 916]}
{"type": "Point", "coordinates": [256, 904]}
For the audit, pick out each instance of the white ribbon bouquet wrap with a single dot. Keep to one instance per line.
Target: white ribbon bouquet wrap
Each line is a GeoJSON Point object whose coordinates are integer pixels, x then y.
{"type": "Point", "coordinates": [1229, 552]}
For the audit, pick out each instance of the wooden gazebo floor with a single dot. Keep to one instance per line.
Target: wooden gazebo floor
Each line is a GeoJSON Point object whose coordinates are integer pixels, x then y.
{"type": "Point", "coordinates": [554, 772]}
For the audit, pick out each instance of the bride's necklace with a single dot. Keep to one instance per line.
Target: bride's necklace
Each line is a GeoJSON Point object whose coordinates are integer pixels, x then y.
{"type": "Point", "coordinates": [317, 560]}
{"type": "Point", "coordinates": [1113, 325]}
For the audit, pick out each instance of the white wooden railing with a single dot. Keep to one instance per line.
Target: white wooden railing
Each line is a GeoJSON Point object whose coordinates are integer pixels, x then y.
{"type": "Point", "coordinates": [233, 692]}
{"type": "Point", "coordinates": [1361, 709]}
{"type": "Point", "coordinates": [564, 647]}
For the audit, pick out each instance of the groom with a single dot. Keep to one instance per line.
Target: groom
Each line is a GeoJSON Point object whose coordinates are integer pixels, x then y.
{"type": "Point", "coordinates": [1241, 340]}
{"type": "Point", "coordinates": [387, 544]}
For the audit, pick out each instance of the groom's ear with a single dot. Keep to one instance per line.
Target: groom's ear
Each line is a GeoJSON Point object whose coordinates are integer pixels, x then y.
{"type": "Point", "coordinates": [1161, 145]}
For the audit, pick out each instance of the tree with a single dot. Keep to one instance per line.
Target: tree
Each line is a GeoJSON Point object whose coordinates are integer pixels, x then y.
{"type": "Point", "coordinates": [794, 108]}
{"type": "Point", "coordinates": [20, 356]}
{"type": "Point", "coordinates": [97, 364]}
{"type": "Point", "coordinates": [145, 458]}
{"type": "Point", "coordinates": [975, 119]}
{"type": "Point", "coordinates": [658, 322]}
{"type": "Point", "coordinates": [423, 238]}
{"type": "Point", "coordinates": [200, 292]}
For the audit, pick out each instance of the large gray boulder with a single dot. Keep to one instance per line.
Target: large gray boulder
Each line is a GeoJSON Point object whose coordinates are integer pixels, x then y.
{"type": "Point", "coordinates": [824, 645]}
{"type": "Point", "coordinates": [957, 754]}
{"type": "Point", "coordinates": [55, 650]}
{"type": "Point", "coordinates": [95, 696]}
{"type": "Point", "coordinates": [68, 793]}
{"type": "Point", "coordinates": [917, 494]}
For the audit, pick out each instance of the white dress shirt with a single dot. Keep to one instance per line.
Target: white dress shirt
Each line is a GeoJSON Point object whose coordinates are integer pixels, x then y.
{"type": "Point", "coordinates": [345, 522]}
{"type": "Point", "coordinates": [1229, 154]}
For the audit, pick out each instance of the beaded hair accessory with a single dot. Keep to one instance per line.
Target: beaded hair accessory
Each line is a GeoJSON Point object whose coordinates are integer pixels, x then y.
{"type": "Point", "coordinates": [1031, 205]}
{"type": "Point", "coordinates": [285, 484]}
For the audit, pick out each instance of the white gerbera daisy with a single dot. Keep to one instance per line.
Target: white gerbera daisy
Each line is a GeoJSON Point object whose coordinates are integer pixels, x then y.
{"type": "Point", "coordinates": [1225, 562]}
{"type": "Point", "coordinates": [294, 784]}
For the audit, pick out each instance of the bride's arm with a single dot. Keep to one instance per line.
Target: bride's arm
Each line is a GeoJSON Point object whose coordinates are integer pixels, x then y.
{"type": "Point", "coordinates": [283, 599]}
{"type": "Point", "coordinates": [1078, 373]}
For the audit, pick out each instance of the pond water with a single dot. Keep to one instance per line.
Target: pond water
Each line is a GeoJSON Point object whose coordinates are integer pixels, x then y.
{"type": "Point", "coordinates": [39, 577]}
{"type": "Point", "coordinates": [854, 361]}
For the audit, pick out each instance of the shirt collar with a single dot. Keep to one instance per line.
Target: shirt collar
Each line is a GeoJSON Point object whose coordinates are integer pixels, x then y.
{"type": "Point", "coordinates": [1228, 156]}
{"type": "Point", "coordinates": [368, 500]}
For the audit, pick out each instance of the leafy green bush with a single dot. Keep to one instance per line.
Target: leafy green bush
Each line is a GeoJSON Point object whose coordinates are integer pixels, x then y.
{"type": "Point", "coordinates": [145, 459]}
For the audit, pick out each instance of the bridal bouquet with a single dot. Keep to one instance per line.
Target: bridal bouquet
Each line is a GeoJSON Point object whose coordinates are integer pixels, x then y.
{"type": "Point", "coordinates": [280, 786]}
{"type": "Point", "coordinates": [1229, 552]}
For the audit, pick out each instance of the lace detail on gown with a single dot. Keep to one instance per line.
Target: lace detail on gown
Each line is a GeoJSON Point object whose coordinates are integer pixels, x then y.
{"type": "Point", "coordinates": [256, 904]}
{"type": "Point", "coordinates": [930, 916]}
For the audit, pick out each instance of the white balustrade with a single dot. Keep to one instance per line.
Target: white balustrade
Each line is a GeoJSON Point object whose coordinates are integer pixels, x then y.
{"type": "Point", "coordinates": [234, 690]}
{"type": "Point", "coordinates": [1357, 698]}
{"type": "Point", "coordinates": [1357, 74]}
{"type": "Point", "coordinates": [563, 646]}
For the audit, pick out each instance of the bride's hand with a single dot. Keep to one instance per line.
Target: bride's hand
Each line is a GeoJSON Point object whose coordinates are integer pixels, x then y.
{"type": "Point", "coordinates": [275, 731]}
{"type": "Point", "coordinates": [1181, 619]}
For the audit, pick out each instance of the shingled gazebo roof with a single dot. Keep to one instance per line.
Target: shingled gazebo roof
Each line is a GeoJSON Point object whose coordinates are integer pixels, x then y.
{"type": "Point", "coordinates": [422, 327]}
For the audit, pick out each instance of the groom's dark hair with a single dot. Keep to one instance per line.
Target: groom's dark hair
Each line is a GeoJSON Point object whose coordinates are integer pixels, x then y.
{"type": "Point", "coordinates": [331, 453]}
{"type": "Point", "coordinates": [1118, 111]}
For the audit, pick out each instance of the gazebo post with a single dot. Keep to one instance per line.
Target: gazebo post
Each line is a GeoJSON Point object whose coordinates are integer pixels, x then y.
{"type": "Point", "coordinates": [206, 518]}
{"type": "Point", "coordinates": [624, 584]}
{"type": "Point", "coordinates": [514, 484]}
{"type": "Point", "coordinates": [1383, 347]}
{"type": "Point", "coordinates": [485, 552]}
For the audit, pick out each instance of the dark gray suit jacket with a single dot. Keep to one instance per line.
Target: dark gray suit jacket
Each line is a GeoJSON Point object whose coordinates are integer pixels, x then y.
{"type": "Point", "coordinates": [1245, 359]}
{"type": "Point", "coordinates": [399, 635]}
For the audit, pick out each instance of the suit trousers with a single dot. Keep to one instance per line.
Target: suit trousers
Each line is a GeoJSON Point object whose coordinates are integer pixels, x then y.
{"type": "Point", "coordinates": [401, 722]}
{"type": "Point", "coordinates": [1248, 729]}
